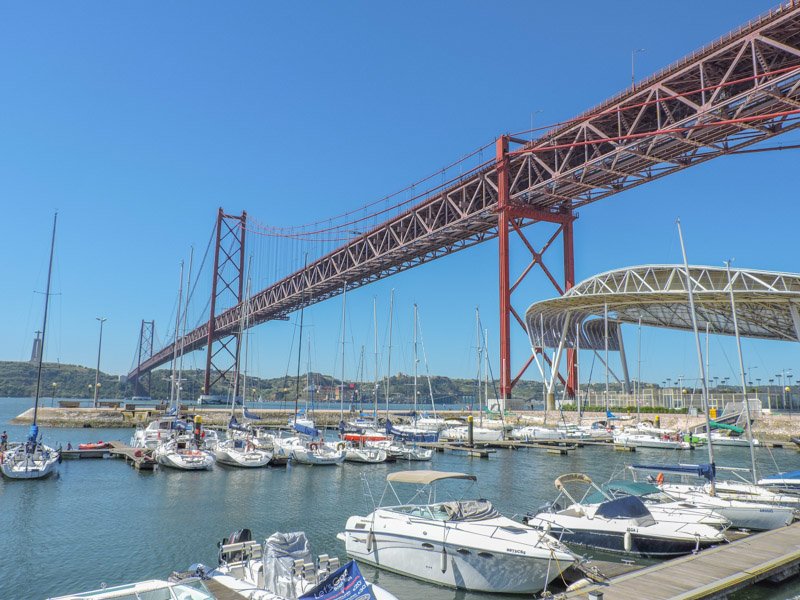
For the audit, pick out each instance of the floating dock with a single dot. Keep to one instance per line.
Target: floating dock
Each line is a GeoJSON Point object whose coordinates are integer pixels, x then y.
{"type": "Point", "coordinates": [711, 574]}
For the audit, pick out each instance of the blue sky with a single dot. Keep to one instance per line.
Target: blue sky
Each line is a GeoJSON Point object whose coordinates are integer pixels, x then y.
{"type": "Point", "coordinates": [136, 121]}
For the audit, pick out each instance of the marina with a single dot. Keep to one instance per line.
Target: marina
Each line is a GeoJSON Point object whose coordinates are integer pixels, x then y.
{"type": "Point", "coordinates": [279, 424]}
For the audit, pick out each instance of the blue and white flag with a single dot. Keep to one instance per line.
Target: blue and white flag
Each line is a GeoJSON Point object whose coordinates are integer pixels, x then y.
{"type": "Point", "coordinates": [346, 583]}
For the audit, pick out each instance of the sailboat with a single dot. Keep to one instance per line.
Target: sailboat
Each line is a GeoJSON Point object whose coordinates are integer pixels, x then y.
{"type": "Point", "coordinates": [32, 459]}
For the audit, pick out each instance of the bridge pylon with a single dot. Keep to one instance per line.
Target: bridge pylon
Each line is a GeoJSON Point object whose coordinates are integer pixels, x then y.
{"type": "Point", "coordinates": [512, 216]}
{"type": "Point", "coordinates": [227, 288]}
{"type": "Point", "coordinates": [144, 351]}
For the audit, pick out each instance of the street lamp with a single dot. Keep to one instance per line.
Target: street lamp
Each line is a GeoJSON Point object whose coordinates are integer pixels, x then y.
{"type": "Point", "coordinates": [53, 397]}
{"type": "Point", "coordinates": [634, 52]}
{"type": "Point", "coordinates": [97, 371]}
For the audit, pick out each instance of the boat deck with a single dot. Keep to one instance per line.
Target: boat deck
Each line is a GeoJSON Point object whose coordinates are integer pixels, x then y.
{"type": "Point", "coordinates": [221, 592]}
{"type": "Point", "coordinates": [713, 573]}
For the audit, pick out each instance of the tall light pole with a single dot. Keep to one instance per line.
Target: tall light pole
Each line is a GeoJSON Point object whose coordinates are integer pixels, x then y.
{"type": "Point", "coordinates": [634, 52]}
{"type": "Point", "coordinates": [97, 371]}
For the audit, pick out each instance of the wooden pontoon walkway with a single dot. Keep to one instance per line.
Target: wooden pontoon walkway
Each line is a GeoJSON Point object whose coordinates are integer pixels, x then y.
{"type": "Point", "coordinates": [712, 573]}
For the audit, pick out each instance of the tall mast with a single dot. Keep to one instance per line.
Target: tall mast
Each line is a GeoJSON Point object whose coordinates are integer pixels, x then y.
{"type": "Point", "coordinates": [416, 360]}
{"type": "Point", "coordinates": [605, 336]}
{"type": "Point", "coordinates": [689, 288]}
{"type": "Point", "coordinates": [741, 373]}
{"type": "Point", "coordinates": [389, 362]}
{"type": "Point", "coordinates": [246, 309]}
{"type": "Point", "coordinates": [577, 367]}
{"type": "Point", "coordinates": [486, 374]}
{"type": "Point", "coordinates": [183, 334]}
{"type": "Point", "coordinates": [34, 430]}
{"type": "Point", "coordinates": [300, 344]}
{"type": "Point", "coordinates": [375, 347]}
{"type": "Point", "coordinates": [639, 372]}
{"type": "Point", "coordinates": [175, 345]}
{"type": "Point", "coordinates": [344, 308]}
{"type": "Point", "coordinates": [479, 355]}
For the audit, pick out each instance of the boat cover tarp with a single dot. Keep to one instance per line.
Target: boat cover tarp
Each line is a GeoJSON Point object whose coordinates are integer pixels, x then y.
{"type": "Point", "coordinates": [733, 428]}
{"type": "Point", "coordinates": [786, 475]}
{"type": "Point", "coordinates": [709, 471]}
{"type": "Point", "coordinates": [470, 510]}
{"type": "Point", "coordinates": [345, 583]}
{"type": "Point", "coordinates": [250, 415]}
{"type": "Point", "coordinates": [234, 424]}
{"type": "Point", "coordinates": [305, 430]}
{"type": "Point", "coordinates": [627, 507]}
{"type": "Point", "coordinates": [280, 552]}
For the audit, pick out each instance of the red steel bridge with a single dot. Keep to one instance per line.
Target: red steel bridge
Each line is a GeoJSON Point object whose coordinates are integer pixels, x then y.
{"type": "Point", "coordinates": [735, 92]}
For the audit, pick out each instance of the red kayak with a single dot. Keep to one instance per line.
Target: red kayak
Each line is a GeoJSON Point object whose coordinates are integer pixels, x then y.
{"type": "Point", "coordinates": [94, 446]}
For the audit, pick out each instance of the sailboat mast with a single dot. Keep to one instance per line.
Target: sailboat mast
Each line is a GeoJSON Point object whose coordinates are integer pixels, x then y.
{"type": "Point", "coordinates": [416, 360]}
{"type": "Point", "coordinates": [389, 362]}
{"type": "Point", "coordinates": [300, 344]}
{"type": "Point", "coordinates": [690, 290]}
{"type": "Point", "coordinates": [741, 373]}
{"type": "Point", "coordinates": [183, 333]}
{"type": "Point", "coordinates": [479, 355]}
{"type": "Point", "coordinates": [175, 345]}
{"type": "Point", "coordinates": [375, 347]}
{"type": "Point", "coordinates": [245, 329]}
{"type": "Point", "coordinates": [486, 374]}
{"type": "Point", "coordinates": [605, 336]}
{"type": "Point", "coordinates": [344, 309]}
{"type": "Point", "coordinates": [44, 323]}
{"type": "Point", "coordinates": [639, 372]}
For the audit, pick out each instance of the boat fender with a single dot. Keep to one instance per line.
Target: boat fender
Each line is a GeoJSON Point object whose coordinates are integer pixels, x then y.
{"type": "Point", "coordinates": [627, 541]}
{"type": "Point", "coordinates": [697, 544]}
{"type": "Point", "coordinates": [444, 560]}
{"type": "Point", "coordinates": [660, 479]}
{"type": "Point", "coordinates": [313, 445]}
{"type": "Point", "coordinates": [340, 446]}
{"type": "Point", "coordinates": [370, 541]}
{"type": "Point", "coordinates": [547, 527]}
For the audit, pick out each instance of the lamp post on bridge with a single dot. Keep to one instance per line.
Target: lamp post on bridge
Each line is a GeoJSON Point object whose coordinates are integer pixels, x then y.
{"type": "Point", "coordinates": [97, 371]}
{"type": "Point", "coordinates": [634, 52]}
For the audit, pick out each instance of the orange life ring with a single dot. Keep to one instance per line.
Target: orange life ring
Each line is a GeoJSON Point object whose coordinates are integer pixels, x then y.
{"type": "Point", "coordinates": [660, 479]}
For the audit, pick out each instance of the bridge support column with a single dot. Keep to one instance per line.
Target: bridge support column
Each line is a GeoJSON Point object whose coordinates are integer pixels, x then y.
{"type": "Point", "coordinates": [512, 217]}
{"type": "Point", "coordinates": [144, 351]}
{"type": "Point", "coordinates": [227, 285]}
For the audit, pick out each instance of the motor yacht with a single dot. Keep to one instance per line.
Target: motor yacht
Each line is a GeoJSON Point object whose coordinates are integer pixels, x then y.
{"type": "Point", "coordinates": [463, 544]}
{"type": "Point", "coordinates": [621, 525]}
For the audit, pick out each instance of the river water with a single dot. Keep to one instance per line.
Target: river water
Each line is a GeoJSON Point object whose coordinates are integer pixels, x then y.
{"type": "Point", "coordinates": [102, 522]}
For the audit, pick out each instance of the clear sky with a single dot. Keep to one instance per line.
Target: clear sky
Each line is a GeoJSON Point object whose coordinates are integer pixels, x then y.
{"type": "Point", "coordinates": [137, 120]}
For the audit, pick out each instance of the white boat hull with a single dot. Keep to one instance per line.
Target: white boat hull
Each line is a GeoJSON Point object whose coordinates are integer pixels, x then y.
{"type": "Point", "coordinates": [250, 459]}
{"type": "Point", "coordinates": [742, 515]}
{"type": "Point", "coordinates": [479, 434]}
{"type": "Point", "coordinates": [365, 455]}
{"type": "Point", "coordinates": [17, 464]}
{"type": "Point", "coordinates": [197, 460]}
{"type": "Point", "coordinates": [498, 570]}
{"type": "Point", "coordinates": [309, 456]}
{"type": "Point", "coordinates": [648, 441]}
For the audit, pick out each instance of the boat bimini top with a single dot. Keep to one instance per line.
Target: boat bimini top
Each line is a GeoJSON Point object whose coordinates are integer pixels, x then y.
{"type": "Point", "coordinates": [426, 477]}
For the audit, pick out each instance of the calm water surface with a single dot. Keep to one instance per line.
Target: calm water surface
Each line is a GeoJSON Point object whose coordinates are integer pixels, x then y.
{"type": "Point", "coordinates": [99, 521]}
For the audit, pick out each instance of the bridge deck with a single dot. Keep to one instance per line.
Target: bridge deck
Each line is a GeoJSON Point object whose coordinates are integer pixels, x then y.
{"type": "Point", "coordinates": [712, 573]}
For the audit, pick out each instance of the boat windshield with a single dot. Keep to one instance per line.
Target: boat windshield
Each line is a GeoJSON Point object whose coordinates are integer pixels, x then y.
{"type": "Point", "coordinates": [460, 510]}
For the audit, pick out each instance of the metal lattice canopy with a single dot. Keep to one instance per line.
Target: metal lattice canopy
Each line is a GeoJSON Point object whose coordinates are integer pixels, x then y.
{"type": "Point", "coordinates": [767, 305]}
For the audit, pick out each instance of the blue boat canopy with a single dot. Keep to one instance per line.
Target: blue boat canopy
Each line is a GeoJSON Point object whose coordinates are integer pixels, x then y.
{"type": "Point", "coordinates": [627, 507]}
{"type": "Point", "coordinates": [786, 475]}
{"type": "Point", "coordinates": [309, 431]}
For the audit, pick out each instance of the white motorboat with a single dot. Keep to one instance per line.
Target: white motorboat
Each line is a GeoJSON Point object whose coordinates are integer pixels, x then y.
{"type": "Point", "coordinates": [188, 589]}
{"type": "Point", "coordinates": [241, 453]}
{"type": "Point", "coordinates": [318, 453]}
{"type": "Point", "coordinates": [365, 454]}
{"type": "Point", "coordinates": [31, 459]}
{"type": "Point", "coordinates": [723, 439]}
{"type": "Point", "coordinates": [535, 432]}
{"type": "Point", "coordinates": [645, 440]}
{"type": "Point", "coordinates": [661, 504]}
{"type": "Point", "coordinates": [182, 455]}
{"type": "Point", "coordinates": [460, 544]}
{"type": "Point", "coordinates": [620, 525]}
{"type": "Point", "coordinates": [479, 434]}
{"type": "Point", "coordinates": [284, 568]}
{"type": "Point", "coordinates": [744, 515]}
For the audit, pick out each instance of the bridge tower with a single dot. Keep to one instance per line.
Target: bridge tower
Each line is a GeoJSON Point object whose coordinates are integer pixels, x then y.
{"type": "Point", "coordinates": [227, 289]}
{"type": "Point", "coordinates": [512, 217]}
{"type": "Point", "coordinates": [143, 352]}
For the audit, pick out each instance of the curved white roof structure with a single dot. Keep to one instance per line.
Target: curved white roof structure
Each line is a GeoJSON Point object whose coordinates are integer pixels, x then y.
{"type": "Point", "coordinates": [767, 304]}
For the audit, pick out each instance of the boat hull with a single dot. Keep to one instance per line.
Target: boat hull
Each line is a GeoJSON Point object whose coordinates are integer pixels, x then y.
{"type": "Point", "coordinates": [249, 460]}
{"type": "Point", "coordinates": [201, 461]}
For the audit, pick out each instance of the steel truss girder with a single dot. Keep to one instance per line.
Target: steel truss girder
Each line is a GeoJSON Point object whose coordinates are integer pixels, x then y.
{"type": "Point", "coordinates": [741, 89]}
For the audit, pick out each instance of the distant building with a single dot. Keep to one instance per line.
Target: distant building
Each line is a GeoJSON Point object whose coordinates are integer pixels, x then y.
{"type": "Point", "coordinates": [36, 352]}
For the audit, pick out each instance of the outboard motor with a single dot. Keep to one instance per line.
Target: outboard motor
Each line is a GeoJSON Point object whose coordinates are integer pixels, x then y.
{"type": "Point", "coordinates": [243, 535]}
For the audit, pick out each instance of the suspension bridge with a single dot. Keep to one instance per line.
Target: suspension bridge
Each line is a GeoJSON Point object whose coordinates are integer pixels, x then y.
{"type": "Point", "coordinates": [738, 91]}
